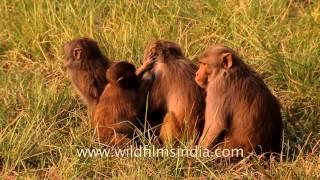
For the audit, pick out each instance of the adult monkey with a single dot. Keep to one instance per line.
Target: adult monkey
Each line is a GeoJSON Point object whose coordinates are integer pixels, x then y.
{"type": "Point", "coordinates": [241, 112]}
{"type": "Point", "coordinates": [86, 67]}
{"type": "Point", "coordinates": [174, 92]}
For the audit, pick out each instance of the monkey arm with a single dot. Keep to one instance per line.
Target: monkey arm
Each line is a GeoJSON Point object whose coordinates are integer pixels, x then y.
{"type": "Point", "coordinates": [213, 132]}
{"type": "Point", "coordinates": [140, 71]}
{"type": "Point", "coordinates": [144, 87]}
{"type": "Point", "coordinates": [146, 66]}
{"type": "Point", "coordinates": [170, 130]}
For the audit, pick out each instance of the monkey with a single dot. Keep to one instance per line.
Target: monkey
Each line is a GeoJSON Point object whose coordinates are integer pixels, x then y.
{"type": "Point", "coordinates": [86, 67]}
{"type": "Point", "coordinates": [241, 112]}
{"type": "Point", "coordinates": [120, 103]}
{"type": "Point", "coordinates": [175, 100]}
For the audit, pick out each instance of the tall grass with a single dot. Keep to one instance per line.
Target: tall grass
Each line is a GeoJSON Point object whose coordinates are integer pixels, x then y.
{"type": "Point", "coordinates": [42, 121]}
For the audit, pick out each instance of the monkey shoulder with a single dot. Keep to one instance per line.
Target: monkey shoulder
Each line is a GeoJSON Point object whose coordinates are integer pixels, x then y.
{"type": "Point", "coordinates": [253, 93]}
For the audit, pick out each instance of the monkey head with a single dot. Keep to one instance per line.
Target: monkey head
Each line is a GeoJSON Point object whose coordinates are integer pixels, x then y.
{"type": "Point", "coordinates": [122, 74]}
{"type": "Point", "coordinates": [80, 52]}
{"type": "Point", "coordinates": [163, 51]}
{"type": "Point", "coordinates": [214, 62]}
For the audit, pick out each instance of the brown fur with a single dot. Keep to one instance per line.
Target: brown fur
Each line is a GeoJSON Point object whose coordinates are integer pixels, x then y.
{"type": "Point", "coordinates": [119, 105]}
{"type": "Point", "coordinates": [174, 91]}
{"type": "Point", "coordinates": [241, 112]}
{"type": "Point", "coordinates": [86, 67]}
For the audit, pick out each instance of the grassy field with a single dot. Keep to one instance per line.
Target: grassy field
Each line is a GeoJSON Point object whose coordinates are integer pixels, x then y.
{"type": "Point", "coordinates": [42, 121]}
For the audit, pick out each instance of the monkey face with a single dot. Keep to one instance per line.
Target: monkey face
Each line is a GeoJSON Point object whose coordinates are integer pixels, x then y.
{"type": "Point", "coordinates": [72, 55]}
{"type": "Point", "coordinates": [82, 51]}
{"type": "Point", "coordinates": [214, 62]}
{"type": "Point", "coordinates": [202, 76]}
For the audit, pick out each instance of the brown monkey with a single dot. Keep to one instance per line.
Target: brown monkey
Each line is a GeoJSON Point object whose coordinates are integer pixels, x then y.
{"type": "Point", "coordinates": [174, 92]}
{"type": "Point", "coordinates": [241, 112]}
{"type": "Point", "coordinates": [120, 103]}
{"type": "Point", "coordinates": [86, 67]}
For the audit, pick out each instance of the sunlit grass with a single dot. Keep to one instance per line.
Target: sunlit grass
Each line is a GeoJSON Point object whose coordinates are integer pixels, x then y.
{"type": "Point", "coordinates": [42, 121]}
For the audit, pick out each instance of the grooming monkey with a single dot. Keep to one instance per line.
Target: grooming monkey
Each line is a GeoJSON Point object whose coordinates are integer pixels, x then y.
{"type": "Point", "coordinates": [175, 99]}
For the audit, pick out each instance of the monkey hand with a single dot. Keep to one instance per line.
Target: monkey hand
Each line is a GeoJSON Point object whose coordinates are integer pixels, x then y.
{"type": "Point", "coordinates": [146, 66]}
{"type": "Point", "coordinates": [148, 76]}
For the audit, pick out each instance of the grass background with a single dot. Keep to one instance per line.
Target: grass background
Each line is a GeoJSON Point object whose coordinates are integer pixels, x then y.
{"type": "Point", "coordinates": [42, 121]}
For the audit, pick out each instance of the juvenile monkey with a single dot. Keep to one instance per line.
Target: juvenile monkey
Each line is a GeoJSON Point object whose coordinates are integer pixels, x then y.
{"type": "Point", "coordinates": [174, 93]}
{"type": "Point", "coordinates": [120, 104]}
{"type": "Point", "coordinates": [86, 67]}
{"type": "Point", "coordinates": [241, 112]}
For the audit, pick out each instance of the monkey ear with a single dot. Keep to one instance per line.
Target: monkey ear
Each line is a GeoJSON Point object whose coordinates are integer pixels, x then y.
{"type": "Point", "coordinates": [122, 82]}
{"type": "Point", "coordinates": [120, 79]}
{"type": "Point", "coordinates": [127, 82]}
{"type": "Point", "coordinates": [227, 60]}
{"type": "Point", "coordinates": [77, 53]}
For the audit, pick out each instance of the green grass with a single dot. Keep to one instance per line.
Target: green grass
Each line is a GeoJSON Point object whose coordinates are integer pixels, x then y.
{"type": "Point", "coordinates": [42, 121]}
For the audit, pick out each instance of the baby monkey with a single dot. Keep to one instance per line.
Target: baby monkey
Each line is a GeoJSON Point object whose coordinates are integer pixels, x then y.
{"type": "Point", "coordinates": [122, 100]}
